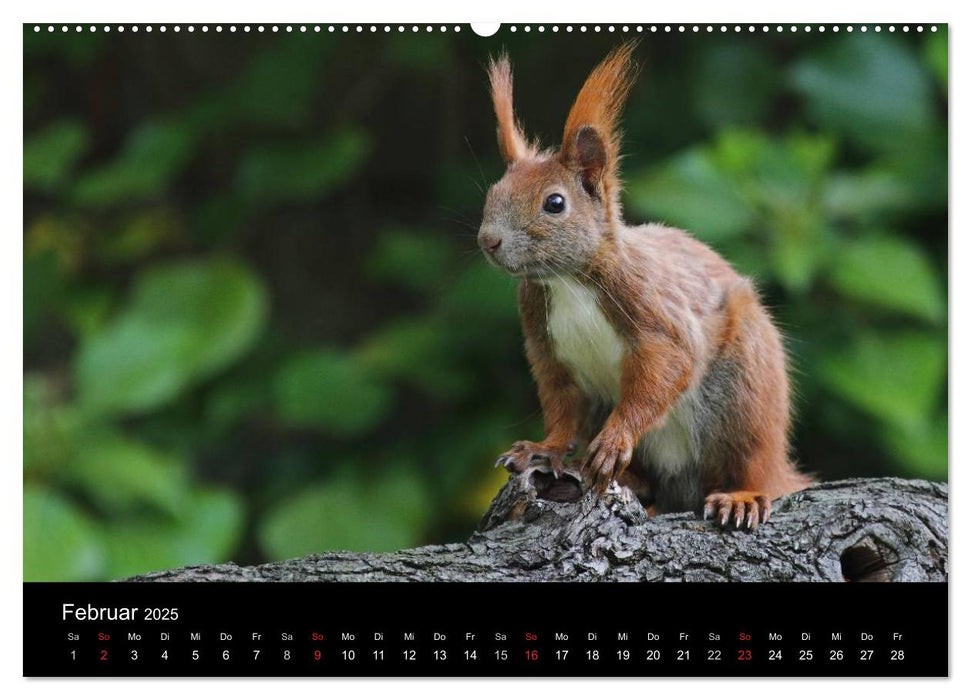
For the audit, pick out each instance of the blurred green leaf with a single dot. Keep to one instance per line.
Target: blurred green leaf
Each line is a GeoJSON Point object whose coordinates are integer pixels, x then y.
{"type": "Point", "coordinates": [923, 168]}
{"type": "Point", "coordinates": [331, 390]}
{"type": "Point", "coordinates": [690, 193]}
{"type": "Point", "coordinates": [410, 259]}
{"type": "Point", "coordinates": [144, 233]}
{"type": "Point", "coordinates": [51, 154]}
{"type": "Point", "coordinates": [871, 88]}
{"type": "Point", "coordinates": [921, 447]}
{"type": "Point", "coordinates": [772, 174]}
{"type": "Point", "coordinates": [419, 351]}
{"type": "Point", "coordinates": [51, 427]}
{"type": "Point", "coordinates": [733, 83]}
{"type": "Point", "coordinates": [748, 183]}
{"type": "Point", "coordinates": [895, 377]}
{"type": "Point", "coordinates": [208, 531]}
{"type": "Point", "coordinates": [295, 172]}
{"type": "Point", "coordinates": [234, 400]}
{"type": "Point", "coordinates": [63, 237]}
{"type": "Point", "coordinates": [868, 194]}
{"type": "Point", "coordinates": [795, 252]}
{"type": "Point", "coordinates": [739, 154]}
{"type": "Point", "coordinates": [276, 89]}
{"type": "Point", "coordinates": [813, 154]}
{"type": "Point", "coordinates": [73, 48]}
{"type": "Point", "coordinates": [153, 155]}
{"type": "Point", "coordinates": [60, 542]}
{"type": "Point", "coordinates": [87, 309]}
{"type": "Point", "coordinates": [431, 54]}
{"type": "Point", "coordinates": [383, 513]}
{"type": "Point", "coordinates": [935, 55]}
{"type": "Point", "coordinates": [220, 218]}
{"type": "Point", "coordinates": [260, 96]}
{"type": "Point", "coordinates": [482, 295]}
{"type": "Point", "coordinates": [43, 291]}
{"type": "Point", "coordinates": [185, 322]}
{"type": "Point", "coordinates": [213, 521]}
{"type": "Point", "coordinates": [747, 257]}
{"type": "Point", "coordinates": [122, 475]}
{"type": "Point", "coordinates": [891, 272]}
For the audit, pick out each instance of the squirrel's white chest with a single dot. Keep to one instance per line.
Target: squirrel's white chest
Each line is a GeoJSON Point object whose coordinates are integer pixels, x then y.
{"type": "Point", "coordinates": [588, 345]}
{"type": "Point", "coordinates": [584, 340]}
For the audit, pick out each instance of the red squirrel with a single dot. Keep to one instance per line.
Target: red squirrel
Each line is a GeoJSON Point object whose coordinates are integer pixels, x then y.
{"type": "Point", "coordinates": [643, 342]}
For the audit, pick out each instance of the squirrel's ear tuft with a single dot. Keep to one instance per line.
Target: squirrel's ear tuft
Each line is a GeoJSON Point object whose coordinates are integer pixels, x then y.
{"type": "Point", "coordinates": [512, 143]}
{"type": "Point", "coordinates": [591, 138]}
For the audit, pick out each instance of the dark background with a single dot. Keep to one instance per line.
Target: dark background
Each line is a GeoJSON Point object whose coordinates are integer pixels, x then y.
{"type": "Point", "coordinates": [257, 325]}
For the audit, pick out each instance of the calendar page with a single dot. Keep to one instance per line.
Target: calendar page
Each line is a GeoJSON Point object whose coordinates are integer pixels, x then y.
{"type": "Point", "coordinates": [532, 350]}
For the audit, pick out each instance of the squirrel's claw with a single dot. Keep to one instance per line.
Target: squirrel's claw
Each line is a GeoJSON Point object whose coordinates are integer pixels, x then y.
{"type": "Point", "coordinates": [504, 461]}
{"type": "Point", "coordinates": [525, 453]}
{"type": "Point", "coordinates": [607, 458]}
{"type": "Point", "coordinates": [745, 510]}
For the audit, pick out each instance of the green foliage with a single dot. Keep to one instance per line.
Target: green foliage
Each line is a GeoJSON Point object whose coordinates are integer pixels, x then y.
{"type": "Point", "coordinates": [870, 88]}
{"type": "Point", "coordinates": [483, 297]}
{"type": "Point", "coordinates": [891, 272]}
{"type": "Point", "coordinates": [935, 54]}
{"type": "Point", "coordinates": [98, 504]}
{"type": "Point", "coordinates": [920, 448]}
{"type": "Point", "coordinates": [153, 155]}
{"type": "Point", "coordinates": [43, 290]}
{"type": "Point", "coordinates": [140, 236]}
{"type": "Point", "coordinates": [874, 194]}
{"type": "Point", "coordinates": [690, 190]}
{"type": "Point", "coordinates": [60, 542]}
{"type": "Point", "coordinates": [383, 513]}
{"type": "Point", "coordinates": [260, 96]}
{"type": "Point", "coordinates": [257, 324]}
{"type": "Point", "coordinates": [120, 475]}
{"type": "Point", "coordinates": [208, 529]}
{"type": "Point", "coordinates": [409, 259]}
{"type": "Point", "coordinates": [50, 427]}
{"type": "Point", "coordinates": [329, 390]}
{"type": "Point", "coordinates": [748, 186]}
{"type": "Point", "coordinates": [429, 54]}
{"type": "Point", "coordinates": [895, 377]}
{"type": "Point", "coordinates": [733, 83]}
{"type": "Point", "coordinates": [51, 155]}
{"type": "Point", "coordinates": [184, 323]}
{"type": "Point", "coordinates": [294, 172]}
{"type": "Point", "coordinates": [418, 352]}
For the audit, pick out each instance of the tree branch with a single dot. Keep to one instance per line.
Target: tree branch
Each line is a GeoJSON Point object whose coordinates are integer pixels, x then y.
{"type": "Point", "coordinates": [543, 529]}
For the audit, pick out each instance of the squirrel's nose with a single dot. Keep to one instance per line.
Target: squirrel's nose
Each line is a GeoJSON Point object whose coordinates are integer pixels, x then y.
{"type": "Point", "coordinates": [489, 240]}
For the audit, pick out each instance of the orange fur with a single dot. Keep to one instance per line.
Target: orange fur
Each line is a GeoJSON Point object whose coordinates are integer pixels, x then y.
{"type": "Point", "coordinates": [512, 143]}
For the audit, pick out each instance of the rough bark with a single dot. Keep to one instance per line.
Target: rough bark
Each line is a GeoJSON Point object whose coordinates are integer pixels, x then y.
{"type": "Point", "coordinates": [541, 529]}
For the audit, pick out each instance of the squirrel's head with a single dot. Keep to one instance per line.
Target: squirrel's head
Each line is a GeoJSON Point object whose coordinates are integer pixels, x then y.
{"type": "Point", "coordinates": [553, 210]}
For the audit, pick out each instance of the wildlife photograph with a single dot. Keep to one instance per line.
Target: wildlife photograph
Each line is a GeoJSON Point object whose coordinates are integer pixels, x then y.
{"type": "Point", "coordinates": [579, 303]}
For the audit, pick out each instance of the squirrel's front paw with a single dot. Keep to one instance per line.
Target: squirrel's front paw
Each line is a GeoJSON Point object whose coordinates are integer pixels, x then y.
{"type": "Point", "coordinates": [524, 453]}
{"type": "Point", "coordinates": [743, 510]}
{"type": "Point", "coordinates": [607, 458]}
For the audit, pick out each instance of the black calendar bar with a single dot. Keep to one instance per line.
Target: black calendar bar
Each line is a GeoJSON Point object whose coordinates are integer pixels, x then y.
{"type": "Point", "coordinates": [484, 629]}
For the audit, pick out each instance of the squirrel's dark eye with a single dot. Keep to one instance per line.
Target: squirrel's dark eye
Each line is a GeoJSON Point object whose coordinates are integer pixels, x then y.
{"type": "Point", "coordinates": [554, 204]}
